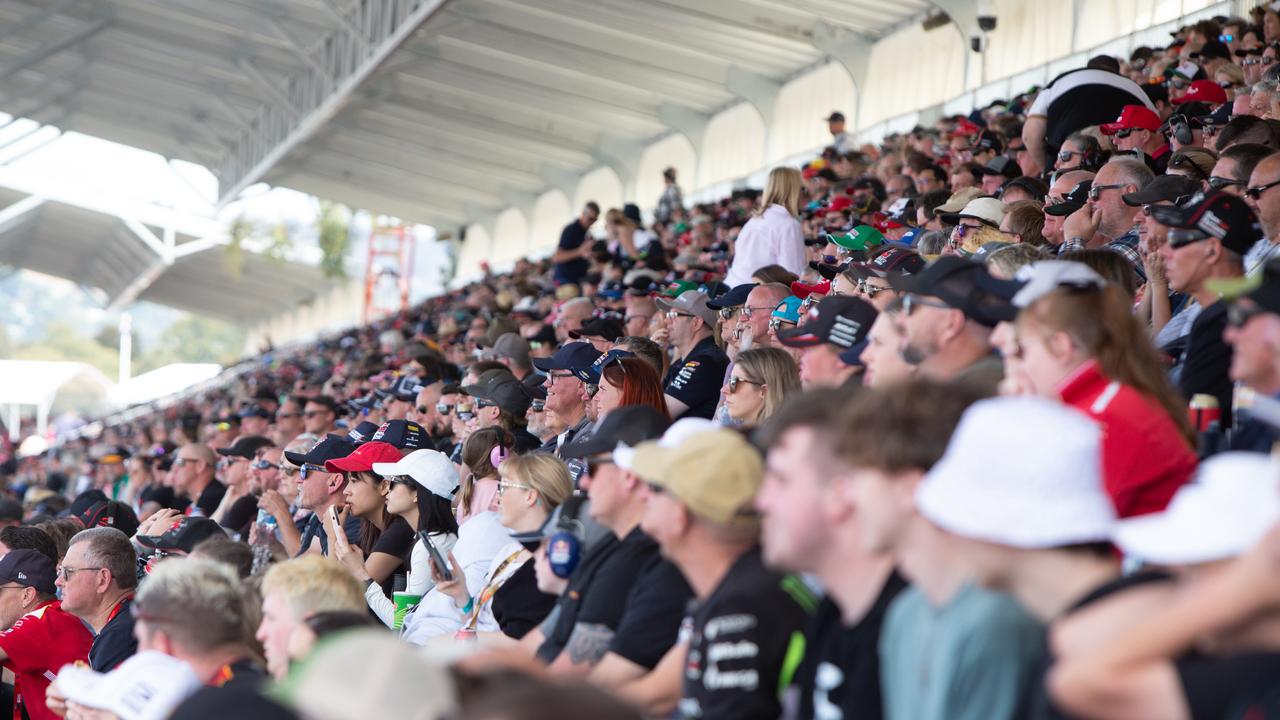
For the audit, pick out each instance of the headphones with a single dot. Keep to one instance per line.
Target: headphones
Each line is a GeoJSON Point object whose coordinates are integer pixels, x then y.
{"type": "Point", "coordinates": [497, 455]}
{"type": "Point", "coordinates": [564, 548]}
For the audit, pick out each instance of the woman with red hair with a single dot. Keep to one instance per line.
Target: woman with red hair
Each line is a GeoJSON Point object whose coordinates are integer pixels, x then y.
{"type": "Point", "coordinates": [629, 381]}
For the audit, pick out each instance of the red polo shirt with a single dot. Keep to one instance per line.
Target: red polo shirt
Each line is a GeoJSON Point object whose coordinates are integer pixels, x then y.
{"type": "Point", "coordinates": [1144, 457]}
{"type": "Point", "coordinates": [38, 645]}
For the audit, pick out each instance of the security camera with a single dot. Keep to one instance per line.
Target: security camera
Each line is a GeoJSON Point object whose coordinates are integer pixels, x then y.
{"type": "Point", "coordinates": [986, 14]}
{"type": "Point", "coordinates": [978, 43]}
{"type": "Point", "coordinates": [987, 23]}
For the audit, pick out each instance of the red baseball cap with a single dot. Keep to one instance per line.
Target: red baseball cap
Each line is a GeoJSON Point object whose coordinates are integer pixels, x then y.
{"type": "Point", "coordinates": [966, 127]}
{"type": "Point", "coordinates": [1133, 117]}
{"type": "Point", "coordinates": [883, 222]}
{"type": "Point", "coordinates": [838, 203]}
{"type": "Point", "coordinates": [1205, 91]}
{"type": "Point", "coordinates": [364, 457]}
{"type": "Point", "coordinates": [801, 290]}
{"type": "Point", "coordinates": [809, 172]}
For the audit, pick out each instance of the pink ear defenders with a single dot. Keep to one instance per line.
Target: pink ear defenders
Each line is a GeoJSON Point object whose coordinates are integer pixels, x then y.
{"type": "Point", "coordinates": [497, 456]}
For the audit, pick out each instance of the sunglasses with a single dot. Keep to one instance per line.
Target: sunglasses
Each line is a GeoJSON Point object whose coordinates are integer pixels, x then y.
{"type": "Point", "coordinates": [1238, 316]}
{"type": "Point", "coordinates": [312, 413]}
{"type": "Point", "coordinates": [1256, 191]}
{"type": "Point", "coordinates": [673, 314]}
{"type": "Point", "coordinates": [1126, 132]}
{"type": "Point", "coordinates": [1065, 155]}
{"type": "Point", "coordinates": [466, 415]}
{"type": "Point", "coordinates": [728, 313]}
{"type": "Point", "coordinates": [1218, 183]}
{"type": "Point", "coordinates": [308, 469]}
{"type": "Point", "coordinates": [538, 405]}
{"type": "Point", "coordinates": [776, 323]}
{"type": "Point", "coordinates": [482, 403]}
{"type": "Point", "coordinates": [1095, 192]}
{"type": "Point", "coordinates": [913, 301]}
{"type": "Point", "coordinates": [284, 415]}
{"type": "Point", "coordinates": [748, 310]}
{"type": "Point", "coordinates": [870, 290]}
{"type": "Point", "coordinates": [735, 381]}
{"type": "Point", "coordinates": [262, 465]}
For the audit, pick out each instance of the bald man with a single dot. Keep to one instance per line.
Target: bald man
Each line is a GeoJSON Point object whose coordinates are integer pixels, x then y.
{"type": "Point", "coordinates": [1267, 205]}
{"type": "Point", "coordinates": [193, 477]}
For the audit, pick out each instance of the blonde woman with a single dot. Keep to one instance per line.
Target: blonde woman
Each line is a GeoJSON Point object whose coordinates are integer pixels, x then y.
{"type": "Point", "coordinates": [762, 379]}
{"type": "Point", "coordinates": [506, 600]}
{"type": "Point", "coordinates": [773, 236]}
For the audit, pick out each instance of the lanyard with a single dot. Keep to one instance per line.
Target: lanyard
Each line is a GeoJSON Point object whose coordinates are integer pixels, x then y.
{"type": "Point", "coordinates": [495, 582]}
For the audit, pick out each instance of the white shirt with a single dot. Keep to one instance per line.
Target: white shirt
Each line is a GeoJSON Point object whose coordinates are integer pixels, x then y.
{"type": "Point", "coordinates": [419, 577]}
{"type": "Point", "coordinates": [770, 238]}
{"type": "Point", "coordinates": [479, 540]}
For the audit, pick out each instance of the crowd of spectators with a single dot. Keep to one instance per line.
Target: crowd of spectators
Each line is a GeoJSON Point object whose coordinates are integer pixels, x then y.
{"type": "Point", "coordinates": [973, 423]}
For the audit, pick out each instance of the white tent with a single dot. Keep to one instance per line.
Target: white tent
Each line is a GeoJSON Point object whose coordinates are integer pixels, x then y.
{"type": "Point", "coordinates": [46, 386]}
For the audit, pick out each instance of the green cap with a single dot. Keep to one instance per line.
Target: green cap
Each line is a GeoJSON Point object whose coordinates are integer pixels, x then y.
{"type": "Point", "coordinates": [679, 287]}
{"type": "Point", "coordinates": [862, 237]}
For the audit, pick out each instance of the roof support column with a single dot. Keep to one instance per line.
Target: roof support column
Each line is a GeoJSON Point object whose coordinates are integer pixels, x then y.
{"type": "Point", "coordinates": [760, 92]}
{"type": "Point", "coordinates": [623, 157]}
{"type": "Point", "coordinates": [690, 123]}
{"type": "Point", "coordinates": [851, 50]}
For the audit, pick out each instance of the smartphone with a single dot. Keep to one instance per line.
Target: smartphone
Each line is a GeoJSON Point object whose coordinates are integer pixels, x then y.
{"type": "Point", "coordinates": [436, 558]}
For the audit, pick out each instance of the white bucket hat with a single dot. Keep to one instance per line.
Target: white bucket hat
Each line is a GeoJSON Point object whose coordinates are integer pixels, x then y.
{"type": "Point", "coordinates": [429, 468]}
{"type": "Point", "coordinates": [1024, 472]}
{"type": "Point", "coordinates": [1229, 506]}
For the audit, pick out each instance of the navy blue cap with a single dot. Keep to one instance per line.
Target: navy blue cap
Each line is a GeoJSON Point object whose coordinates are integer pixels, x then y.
{"type": "Point", "coordinates": [591, 373]}
{"type": "Point", "coordinates": [330, 447]}
{"type": "Point", "coordinates": [363, 432]}
{"type": "Point", "coordinates": [734, 298]}
{"type": "Point", "coordinates": [402, 434]}
{"type": "Point", "coordinates": [570, 355]}
{"type": "Point", "coordinates": [853, 355]}
{"type": "Point", "coordinates": [184, 534]}
{"type": "Point", "coordinates": [28, 567]}
{"type": "Point", "coordinates": [253, 410]}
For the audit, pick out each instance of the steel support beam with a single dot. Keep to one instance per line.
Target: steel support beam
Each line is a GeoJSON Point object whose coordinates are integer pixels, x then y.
{"type": "Point", "coordinates": [759, 91]}
{"type": "Point", "coordinates": [20, 213]}
{"type": "Point", "coordinates": [851, 50]}
{"type": "Point", "coordinates": [48, 50]}
{"type": "Point", "coordinates": [252, 159]}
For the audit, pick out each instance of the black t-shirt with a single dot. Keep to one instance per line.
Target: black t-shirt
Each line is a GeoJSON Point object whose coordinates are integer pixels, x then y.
{"type": "Point", "coordinates": [314, 528]}
{"type": "Point", "coordinates": [240, 516]}
{"type": "Point", "coordinates": [840, 672]}
{"type": "Point", "coordinates": [1244, 686]}
{"type": "Point", "coordinates": [650, 623]}
{"type": "Point", "coordinates": [571, 238]}
{"type": "Point", "coordinates": [116, 642]}
{"type": "Point", "coordinates": [211, 497]}
{"type": "Point", "coordinates": [696, 380]}
{"type": "Point", "coordinates": [241, 674]}
{"type": "Point", "coordinates": [519, 605]}
{"type": "Point", "coordinates": [571, 599]}
{"type": "Point", "coordinates": [396, 541]}
{"type": "Point", "coordinates": [526, 442]}
{"type": "Point", "coordinates": [739, 640]}
{"type": "Point", "coordinates": [1036, 704]}
{"type": "Point", "coordinates": [1206, 363]}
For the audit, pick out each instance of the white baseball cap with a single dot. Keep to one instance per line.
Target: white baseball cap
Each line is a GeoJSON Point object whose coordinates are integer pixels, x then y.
{"type": "Point", "coordinates": [429, 468]}
{"type": "Point", "coordinates": [987, 209]}
{"type": "Point", "coordinates": [1025, 472]}
{"type": "Point", "coordinates": [1230, 505]}
{"type": "Point", "coordinates": [147, 686]}
{"type": "Point", "coordinates": [681, 430]}
{"type": "Point", "coordinates": [1045, 276]}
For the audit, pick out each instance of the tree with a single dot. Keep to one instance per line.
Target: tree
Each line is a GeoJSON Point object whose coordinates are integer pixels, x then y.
{"type": "Point", "coordinates": [334, 236]}
{"type": "Point", "coordinates": [195, 339]}
{"type": "Point", "coordinates": [62, 342]}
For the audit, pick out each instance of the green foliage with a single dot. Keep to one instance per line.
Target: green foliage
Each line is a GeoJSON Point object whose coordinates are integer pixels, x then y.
{"type": "Point", "coordinates": [334, 237]}
{"type": "Point", "coordinates": [233, 253]}
{"type": "Point", "coordinates": [62, 342]}
{"type": "Point", "coordinates": [194, 339]}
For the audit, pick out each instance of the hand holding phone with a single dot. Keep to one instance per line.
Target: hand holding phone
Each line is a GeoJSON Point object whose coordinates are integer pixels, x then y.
{"type": "Point", "coordinates": [437, 559]}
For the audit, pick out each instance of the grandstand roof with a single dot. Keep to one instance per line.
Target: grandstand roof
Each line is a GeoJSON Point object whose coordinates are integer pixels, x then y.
{"type": "Point", "coordinates": [400, 106]}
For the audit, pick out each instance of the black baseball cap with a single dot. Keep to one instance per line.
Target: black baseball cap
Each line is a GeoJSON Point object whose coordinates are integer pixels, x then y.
{"type": "Point", "coordinates": [1265, 292]}
{"type": "Point", "coordinates": [509, 393]}
{"type": "Point", "coordinates": [835, 116]}
{"type": "Point", "coordinates": [86, 500]}
{"type": "Point", "coordinates": [842, 320]}
{"type": "Point", "coordinates": [607, 328]}
{"type": "Point", "coordinates": [1165, 188]}
{"type": "Point", "coordinates": [1217, 214]}
{"type": "Point", "coordinates": [405, 389]}
{"type": "Point", "coordinates": [30, 568]}
{"type": "Point", "coordinates": [829, 271]}
{"type": "Point", "coordinates": [402, 434]}
{"type": "Point", "coordinates": [1072, 201]}
{"type": "Point", "coordinates": [110, 513]}
{"type": "Point", "coordinates": [184, 534]}
{"type": "Point", "coordinates": [570, 355]}
{"type": "Point", "coordinates": [330, 447]}
{"type": "Point", "coordinates": [1002, 165]}
{"type": "Point", "coordinates": [629, 425]}
{"type": "Point", "coordinates": [734, 298]}
{"type": "Point", "coordinates": [891, 261]}
{"type": "Point", "coordinates": [956, 282]}
{"type": "Point", "coordinates": [246, 447]}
